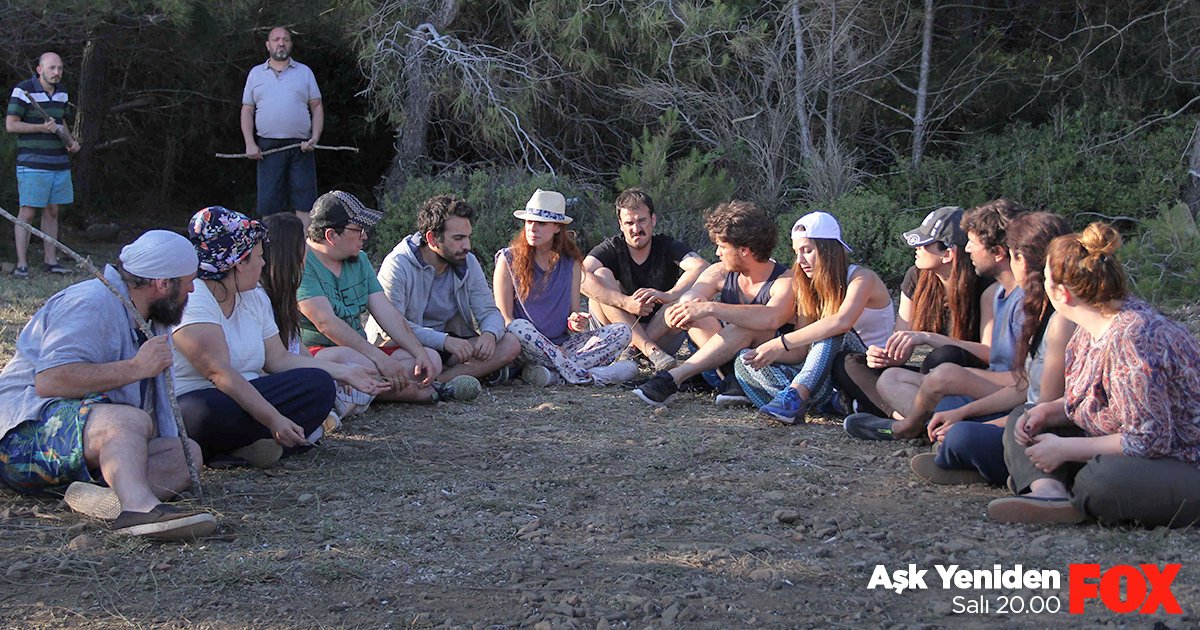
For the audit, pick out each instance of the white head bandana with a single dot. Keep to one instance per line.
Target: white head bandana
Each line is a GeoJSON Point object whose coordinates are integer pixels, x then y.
{"type": "Point", "coordinates": [160, 255]}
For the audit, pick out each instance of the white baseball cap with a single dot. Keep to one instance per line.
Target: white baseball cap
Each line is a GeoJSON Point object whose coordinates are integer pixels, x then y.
{"type": "Point", "coordinates": [819, 225]}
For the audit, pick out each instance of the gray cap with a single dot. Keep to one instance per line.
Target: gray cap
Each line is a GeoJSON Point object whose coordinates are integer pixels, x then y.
{"type": "Point", "coordinates": [942, 225]}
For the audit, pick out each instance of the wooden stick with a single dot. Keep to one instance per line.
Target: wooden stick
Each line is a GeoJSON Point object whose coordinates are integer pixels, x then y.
{"type": "Point", "coordinates": [60, 130]}
{"type": "Point", "coordinates": [193, 471]}
{"type": "Point", "coordinates": [290, 146]}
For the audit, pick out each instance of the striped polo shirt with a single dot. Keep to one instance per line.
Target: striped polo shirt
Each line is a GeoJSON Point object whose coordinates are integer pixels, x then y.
{"type": "Point", "coordinates": [39, 150]}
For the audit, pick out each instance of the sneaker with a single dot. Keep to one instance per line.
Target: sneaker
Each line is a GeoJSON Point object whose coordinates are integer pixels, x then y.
{"type": "Point", "coordinates": [461, 388]}
{"type": "Point", "coordinates": [263, 453]}
{"type": "Point", "coordinates": [924, 466]}
{"type": "Point", "coordinates": [662, 361]}
{"type": "Point", "coordinates": [96, 501]}
{"type": "Point", "coordinates": [499, 377]}
{"type": "Point", "coordinates": [332, 424]}
{"type": "Point", "coordinates": [866, 426]}
{"type": "Point", "coordinates": [21, 272]}
{"type": "Point", "coordinates": [1028, 509]}
{"type": "Point", "coordinates": [56, 268]}
{"type": "Point", "coordinates": [539, 376]}
{"type": "Point", "coordinates": [614, 374]}
{"type": "Point", "coordinates": [731, 394]}
{"type": "Point", "coordinates": [786, 406]}
{"type": "Point", "coordinates": [165, 522]}
{"type": "Point", "coordinates": [842, 403]}
{"type": "Point", "coordinates": [659, 390]}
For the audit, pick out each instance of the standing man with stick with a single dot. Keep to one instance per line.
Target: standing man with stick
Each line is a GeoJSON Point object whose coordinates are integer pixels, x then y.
{"type": "Point", "coordinates": [282, 103]}
{"type": "Point", "coordinates": [36, 113]}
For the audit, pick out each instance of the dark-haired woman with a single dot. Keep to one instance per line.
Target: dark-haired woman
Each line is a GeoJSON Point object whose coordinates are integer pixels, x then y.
{"type": "Point", "coordinates": [283, 253]}
{"type": "Point", "coordinates": [536, 284]}
{"type": "Point", "coordinates": [973, 451]}
{"type": "Point", "coordinates": [944, 304]}
{"type": "Point", "coordinates": [1123, 443]}
{"type": "Point", "coordinates": [240, 391]}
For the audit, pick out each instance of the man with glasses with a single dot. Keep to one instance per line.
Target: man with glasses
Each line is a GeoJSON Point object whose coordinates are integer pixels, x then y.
{"type": "Point", "coordinates": [339, 285]}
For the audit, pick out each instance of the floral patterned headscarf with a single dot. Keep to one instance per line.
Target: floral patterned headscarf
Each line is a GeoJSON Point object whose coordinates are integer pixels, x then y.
{"type": "Point", "coordinates": [222, 238]}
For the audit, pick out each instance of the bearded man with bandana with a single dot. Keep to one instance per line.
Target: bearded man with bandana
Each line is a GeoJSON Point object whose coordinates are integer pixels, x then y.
{"type": "Point", "coordinates": [84, 399]}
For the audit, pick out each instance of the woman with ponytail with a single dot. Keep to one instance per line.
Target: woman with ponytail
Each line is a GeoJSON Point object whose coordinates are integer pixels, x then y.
{"type": "Point", "coordinates": [1123, 442]}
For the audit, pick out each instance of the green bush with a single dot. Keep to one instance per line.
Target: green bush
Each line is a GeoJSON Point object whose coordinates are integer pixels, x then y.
{"type": "Point", "coordinates": [495, 194]}
{"type": "Point", "coordinates": [1063, 166]}
{"type": "Point", "coordinates": [1163, 257]}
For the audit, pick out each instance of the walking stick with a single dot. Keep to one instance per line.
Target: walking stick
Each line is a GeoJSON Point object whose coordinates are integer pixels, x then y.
{"type": "Point", "coordinates": [59, 130]}
{"type": "Point", "coordinates": [290, 146]}
{"type": "Point", "coordinates": [143, 325]}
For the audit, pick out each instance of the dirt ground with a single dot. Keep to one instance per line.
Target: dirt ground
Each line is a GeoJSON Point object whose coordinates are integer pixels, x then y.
{"type": "Point", "coordinates": [570, 507]}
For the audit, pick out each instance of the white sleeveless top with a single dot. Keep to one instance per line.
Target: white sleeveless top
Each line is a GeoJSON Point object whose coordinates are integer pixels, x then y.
{"type": "Point", "coordinates": [875, 325]}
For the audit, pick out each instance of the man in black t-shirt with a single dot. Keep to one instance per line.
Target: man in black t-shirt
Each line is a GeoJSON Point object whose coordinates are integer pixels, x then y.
{"type": "Point", "coordinates": [637, 273]}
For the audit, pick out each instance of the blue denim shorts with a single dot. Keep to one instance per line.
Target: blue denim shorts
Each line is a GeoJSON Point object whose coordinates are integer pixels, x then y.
{"type": "Point", "coordinates": [39, 188]}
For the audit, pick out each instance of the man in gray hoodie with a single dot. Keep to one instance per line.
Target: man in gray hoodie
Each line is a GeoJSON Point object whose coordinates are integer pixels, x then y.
{"type": "Point", "coordinates": [434, 279]}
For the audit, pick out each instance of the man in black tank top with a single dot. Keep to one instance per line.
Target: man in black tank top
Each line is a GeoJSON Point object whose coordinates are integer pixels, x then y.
{"type": "Point", "coordinates": [632, 276]}
{"type": "Point", "coordinates": [753, 298]}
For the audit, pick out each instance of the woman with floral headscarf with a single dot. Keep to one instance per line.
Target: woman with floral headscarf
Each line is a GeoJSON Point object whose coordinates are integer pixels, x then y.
{"type": "Point", "coordinates": [240, 391]}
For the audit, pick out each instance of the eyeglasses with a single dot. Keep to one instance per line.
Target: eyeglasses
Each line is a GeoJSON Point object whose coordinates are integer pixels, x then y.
{"type": "Point", "coordinates": [363, 231]}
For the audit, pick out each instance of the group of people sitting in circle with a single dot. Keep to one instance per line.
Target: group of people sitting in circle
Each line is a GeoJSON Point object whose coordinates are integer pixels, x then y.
{"type": "Point", "coordinates": [1037, 367]}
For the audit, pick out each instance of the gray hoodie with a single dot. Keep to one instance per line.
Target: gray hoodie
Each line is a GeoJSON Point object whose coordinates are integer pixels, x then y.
{"type": "Point", "coordinates": [407, 281]}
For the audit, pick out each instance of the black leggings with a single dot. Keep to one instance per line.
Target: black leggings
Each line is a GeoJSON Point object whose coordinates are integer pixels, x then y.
{"type": "Point", "coordinates": [851, 375]}
{"type": "Point", "coordinates": [219, 425]}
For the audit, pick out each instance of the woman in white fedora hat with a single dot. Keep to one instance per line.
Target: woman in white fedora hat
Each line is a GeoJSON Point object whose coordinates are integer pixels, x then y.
{"type": "Point", "coordinates": [536, 283]}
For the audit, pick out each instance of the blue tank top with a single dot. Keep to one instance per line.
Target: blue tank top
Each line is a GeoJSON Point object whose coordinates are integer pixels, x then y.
{"type": "Point", "coordinates": [549, 302]}
{"type": "Point", "coordinates": [731, 294]}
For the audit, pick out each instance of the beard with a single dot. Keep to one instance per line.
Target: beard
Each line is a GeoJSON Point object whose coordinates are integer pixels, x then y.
{"type": "Point", "coordinates": [281, 55]}
{"type": "Point", "coordinates": [168, 310]}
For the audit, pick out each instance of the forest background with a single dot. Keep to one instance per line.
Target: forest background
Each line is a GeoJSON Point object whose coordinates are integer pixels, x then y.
{"type": "Point", "coordinates": [877, 111]}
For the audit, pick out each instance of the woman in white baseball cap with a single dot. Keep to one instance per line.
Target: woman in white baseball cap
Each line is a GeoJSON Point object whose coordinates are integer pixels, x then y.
{"type": "Point", "coordinates": [838, 306]}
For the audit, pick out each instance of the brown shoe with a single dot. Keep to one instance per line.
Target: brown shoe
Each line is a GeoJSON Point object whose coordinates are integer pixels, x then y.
{"type": "Point", "coordinates": [924, 466]}
{"type": "Point", "coordinates": [1029, 509]}
{"type": "Point", "coordinates": [165, 522]}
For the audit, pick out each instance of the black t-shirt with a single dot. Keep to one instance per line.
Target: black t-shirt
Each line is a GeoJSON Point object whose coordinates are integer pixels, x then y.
{"type": "Point", "coordinates": [660, 271]}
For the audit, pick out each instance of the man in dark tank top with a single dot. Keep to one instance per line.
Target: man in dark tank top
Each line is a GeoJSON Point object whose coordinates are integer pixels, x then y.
{"type": "Point", "coordinates": [738, 302]}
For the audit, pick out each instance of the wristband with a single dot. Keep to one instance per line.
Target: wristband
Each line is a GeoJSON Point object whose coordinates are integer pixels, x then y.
{"type": "Point", "coordinates": [783, 340]}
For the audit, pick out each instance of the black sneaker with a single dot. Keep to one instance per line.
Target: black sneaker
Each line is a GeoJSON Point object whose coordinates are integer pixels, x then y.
{"type": "Point", "coordinates": [865, 426]}
{"type": "Point", "coordinates": [499, 377]}
{"type": "Point", "coordinates": [659, 390]}
{"type": "Point", "coordinates": [731, 393]}
{"type": "Point", "coordinates": [56, 268]}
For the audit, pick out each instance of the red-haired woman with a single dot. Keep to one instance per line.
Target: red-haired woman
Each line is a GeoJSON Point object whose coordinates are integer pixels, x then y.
{"type": "Point", "coordinates": [1123, 442]}
{"type": "Point", "coordinates": [536, 284]}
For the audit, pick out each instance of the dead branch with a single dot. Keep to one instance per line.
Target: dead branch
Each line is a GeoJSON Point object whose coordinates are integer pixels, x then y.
{"type": "Point", "coordinates": [290, 146]}
{"type": "Point", "coordinates": [143, 325]}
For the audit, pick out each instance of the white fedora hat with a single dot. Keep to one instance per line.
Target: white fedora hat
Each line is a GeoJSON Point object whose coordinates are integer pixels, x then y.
{"type": "Point", "coordinates": [546, 206]}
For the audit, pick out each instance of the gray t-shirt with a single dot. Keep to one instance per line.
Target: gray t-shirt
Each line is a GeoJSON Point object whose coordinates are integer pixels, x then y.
{"type": "Point", "coordinates": [83, 323]}
{"type": "Point", "coordinates": [440, 308]}
{"type": "Point", "coordinates": [1009, 320]}
{"type": "Point", "coordinates": [281, 99]}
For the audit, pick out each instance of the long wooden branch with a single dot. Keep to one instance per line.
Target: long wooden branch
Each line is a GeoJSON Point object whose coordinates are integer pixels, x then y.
{"type": "Point", "coordinates": [60, 130]}
{"type": "Point", "coordinates": [193, 470]}
{"type": "Point", "coordinates": [290, 146]}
